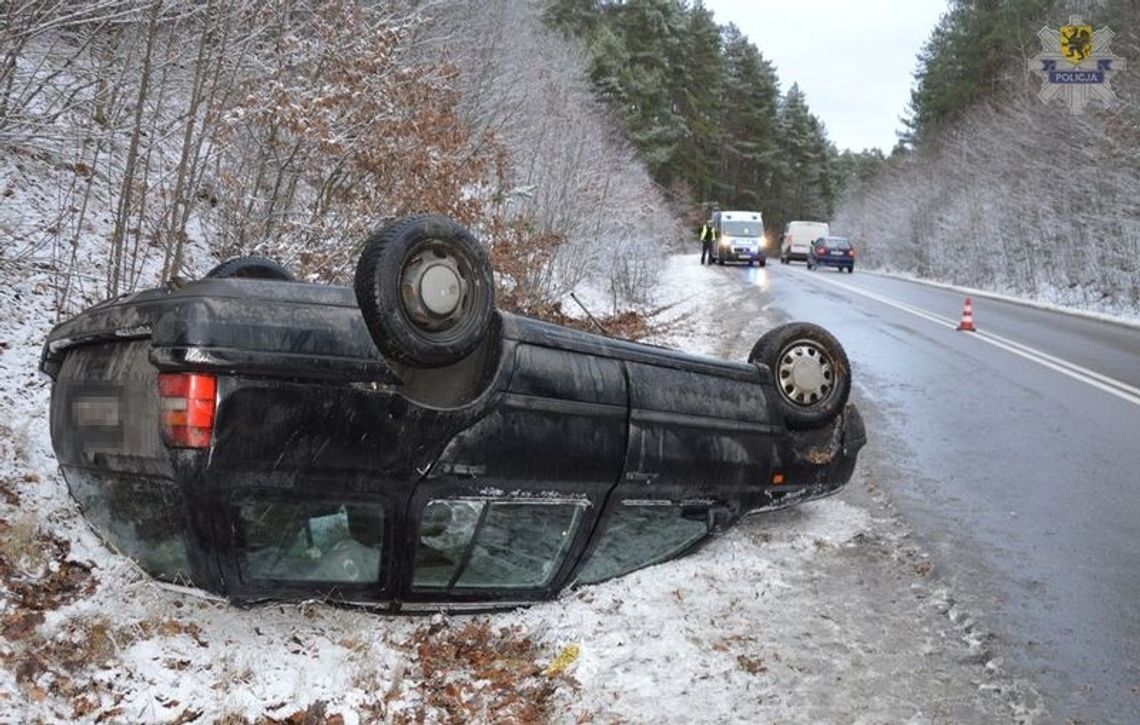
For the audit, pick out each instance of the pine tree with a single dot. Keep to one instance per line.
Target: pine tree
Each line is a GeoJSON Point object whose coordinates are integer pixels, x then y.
{"type": "Point", "coordinates": [747, 111]}
{"type": "Point", "coordinates": [574, 17]}
{"type": "Point", "coordinates": [609, 62]}
{"type": "Point", "coordinates": [702, 107]}
{"type": "Point", "coordinates": [968, 58]}
{"type": "Point", "coordinates": [806, 186]}
{"type": "Point", "coordinates": [652, 33]}
{"type": "Point", "coordinates": [698, 96]}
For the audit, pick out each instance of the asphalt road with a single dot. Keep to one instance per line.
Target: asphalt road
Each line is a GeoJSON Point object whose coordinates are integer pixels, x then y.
{"type": "Point", "coordinates": [1014, 453]}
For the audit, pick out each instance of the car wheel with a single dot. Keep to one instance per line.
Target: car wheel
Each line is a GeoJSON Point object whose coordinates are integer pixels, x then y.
{"type": "Point", "coordinates": [763, 262]}
{"type": "Point", "coordinates": [720, 261]}
{"type": "Point", "coordinates": [810, 370]}
{"type": "Point", "coordinates": [252, 267]}
{"type": "Point", "coordinates": [425, 288]}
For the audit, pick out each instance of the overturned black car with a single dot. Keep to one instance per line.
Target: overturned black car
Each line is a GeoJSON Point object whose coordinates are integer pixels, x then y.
{"type": "Point", "coordinates": [405, 445]}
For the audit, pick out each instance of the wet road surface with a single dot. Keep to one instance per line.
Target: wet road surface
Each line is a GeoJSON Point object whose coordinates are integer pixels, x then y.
{"type": "Point", "coordinates": [1014, 453]}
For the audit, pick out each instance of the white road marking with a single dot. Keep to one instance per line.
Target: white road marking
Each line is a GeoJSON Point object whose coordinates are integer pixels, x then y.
{"type": "Point", "coordinates": [1110, 385]}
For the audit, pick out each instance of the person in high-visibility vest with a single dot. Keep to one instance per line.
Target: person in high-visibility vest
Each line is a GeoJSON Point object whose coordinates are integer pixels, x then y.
{"type": "Point", "coordinates": [708, 236]}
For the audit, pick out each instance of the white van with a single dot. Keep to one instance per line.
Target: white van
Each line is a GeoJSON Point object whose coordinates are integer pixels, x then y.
{"type": "Point", "coordinates": [797, 239]}
{"type": "Point", "coordinates": [739, 237]}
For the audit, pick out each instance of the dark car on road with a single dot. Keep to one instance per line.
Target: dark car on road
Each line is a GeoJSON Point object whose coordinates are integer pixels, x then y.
{"type": "Point", "coordinates": [832, 252]}
{"type": "Point", "coordinates": [406, 445]}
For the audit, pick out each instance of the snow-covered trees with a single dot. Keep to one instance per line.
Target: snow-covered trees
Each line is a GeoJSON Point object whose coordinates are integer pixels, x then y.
{"type": "Point", "coordinates": [703, 107]}
{"type": "Point", "coordinates": [184, 129]}
{"type": "Point", "coordinates": [747, 108]}
{"type": "Point", "coordinates": [804, 185]}
{"type": "Point", "coordinates": [1010, 193]}
{"type": "Point", "coordinates": [336, 128]}
{"type": "Point", "coordinates": [583, 205]}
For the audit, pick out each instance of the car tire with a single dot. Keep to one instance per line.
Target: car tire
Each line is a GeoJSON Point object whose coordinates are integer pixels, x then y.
{"type": "Point", "coordinates": [720, 261]}
{"type": "Point", "coordinates": [810, 371]}
{"type": "Point", "coordinates": [251, 267]}
{"type": "Point", "coordinates": [417, 326]}
{"type": "Point", "coordinates": [763, 262]}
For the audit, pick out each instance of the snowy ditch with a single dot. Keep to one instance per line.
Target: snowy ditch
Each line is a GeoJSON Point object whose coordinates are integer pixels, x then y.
{"type": "Point", "coordinates": [821, 613]}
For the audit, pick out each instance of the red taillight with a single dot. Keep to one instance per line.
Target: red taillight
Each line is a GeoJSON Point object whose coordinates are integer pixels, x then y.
{"type": "Point", "coordinates": [186, 408]}
{"type": "Point", "coordinates": [821, 250]}
{"type": "Point", "coordinates": [850, 252]}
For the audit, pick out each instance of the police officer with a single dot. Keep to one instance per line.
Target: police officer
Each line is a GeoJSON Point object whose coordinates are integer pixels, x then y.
{"type": "Point", "coordinates": [708, 235]}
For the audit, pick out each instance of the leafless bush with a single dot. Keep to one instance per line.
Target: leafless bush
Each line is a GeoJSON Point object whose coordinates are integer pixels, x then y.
{"type": "Point", "coordinates": [185, 129]}
{"type": "Point", "coordinates": [336, 131]}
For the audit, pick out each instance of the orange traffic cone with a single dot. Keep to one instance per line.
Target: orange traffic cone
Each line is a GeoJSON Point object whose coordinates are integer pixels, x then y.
{"type": "Point", "coordinates": [967, 323]}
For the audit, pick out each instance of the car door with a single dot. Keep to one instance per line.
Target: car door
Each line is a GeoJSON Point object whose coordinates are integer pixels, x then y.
{"type": "Point", "coordinates": [506, 511]}
{"type": "Point", "coordinates": [700, 427]}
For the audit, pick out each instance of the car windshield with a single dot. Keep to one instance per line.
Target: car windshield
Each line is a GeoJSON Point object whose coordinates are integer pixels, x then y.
{"type": "Point", "coordinates": [741, 229]}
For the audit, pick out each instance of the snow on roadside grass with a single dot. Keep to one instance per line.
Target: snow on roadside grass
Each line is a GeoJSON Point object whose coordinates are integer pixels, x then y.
{"type": "Point", "coordinates": [687, 287]}
{"type": "Point", "coordinates": [1071, 300]}
{"type": "Point", "coordinates": [803, 615]}
{"type": "Point", "coordinates": [682, 296]}
{"type": "Point", "coordinates": [688, 639]}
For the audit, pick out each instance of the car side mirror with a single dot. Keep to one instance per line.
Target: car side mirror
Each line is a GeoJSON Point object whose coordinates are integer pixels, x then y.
{"type": "Point", "coordinates": [714, 516]}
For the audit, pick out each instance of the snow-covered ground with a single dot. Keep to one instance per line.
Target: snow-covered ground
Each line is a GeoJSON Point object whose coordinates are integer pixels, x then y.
{"type": "Point", "coordinates": [823, 613]}
{"type": "Point", "coordinates": [1055, 299]}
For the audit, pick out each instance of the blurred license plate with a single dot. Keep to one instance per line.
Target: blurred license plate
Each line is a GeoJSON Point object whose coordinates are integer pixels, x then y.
{"type": "Point", "coordinates": [837, 254]}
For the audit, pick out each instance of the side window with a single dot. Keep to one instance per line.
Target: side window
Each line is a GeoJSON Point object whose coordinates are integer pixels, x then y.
{"type": "Point", "coordinates": [476, 544]}
{"type": "Point", "coordinates": [142, 517]}
{"type": "Point", "coordinates": [638, 534]}
{"type": "Point", "coordinates": [310, 541]}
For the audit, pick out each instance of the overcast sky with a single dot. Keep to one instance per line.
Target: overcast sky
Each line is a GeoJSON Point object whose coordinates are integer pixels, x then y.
{"type": "Point", "coordinates": [853, 58]}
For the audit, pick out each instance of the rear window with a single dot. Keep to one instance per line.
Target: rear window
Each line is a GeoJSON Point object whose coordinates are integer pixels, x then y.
{"type": "Point", "coordinates": [807, 231]}
{"type": "Point", "coordinates": [143, 517]}
{"type": "Point", "coordinates": [835, 243]}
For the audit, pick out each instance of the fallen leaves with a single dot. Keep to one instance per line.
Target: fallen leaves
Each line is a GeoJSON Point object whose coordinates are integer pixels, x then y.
{"type": "Point", "coordinates": [20, 624]}
{"type": "Point", "coordinates": [36, 570]}
{"type": "Point", "coordinates": [751, 665]}
{"type": "Point", "coordinates": [169, 627]}
{"type": "Point", "coordinates": [186, 716]}
{"type": "Point", "coordinates": [475, 672]}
